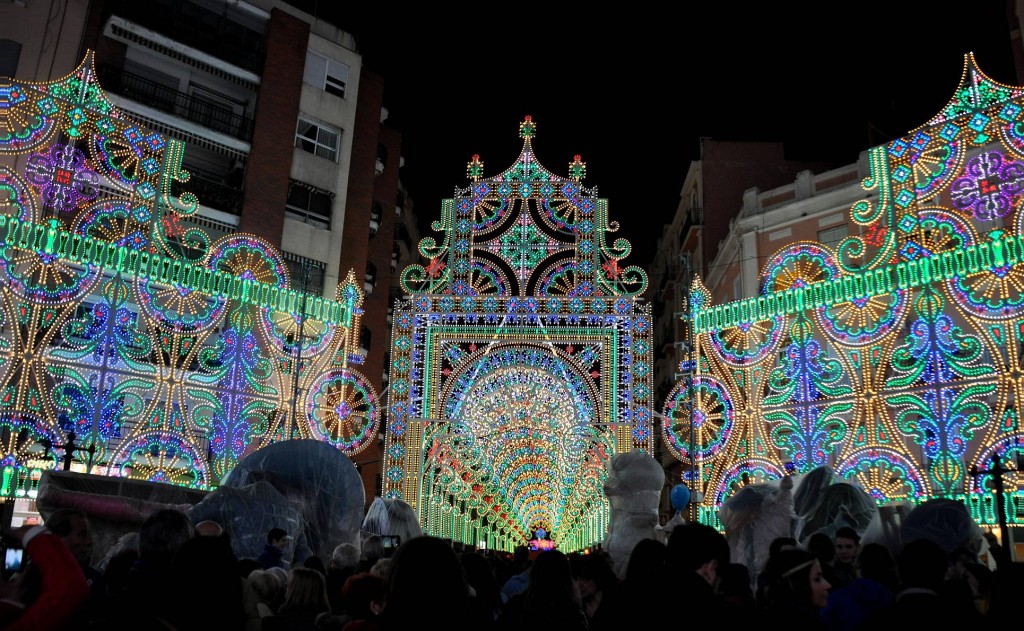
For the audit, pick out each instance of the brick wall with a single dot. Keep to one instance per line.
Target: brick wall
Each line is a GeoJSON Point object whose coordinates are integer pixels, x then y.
{"type": "Point", "coordinates": [277, 110]}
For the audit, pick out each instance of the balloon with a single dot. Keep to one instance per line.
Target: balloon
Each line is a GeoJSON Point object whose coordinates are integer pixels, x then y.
{"type": "Point", "coordinates": [680, 496]}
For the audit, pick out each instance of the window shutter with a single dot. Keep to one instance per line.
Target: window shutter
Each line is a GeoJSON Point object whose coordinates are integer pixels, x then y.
{"type": "Point", "coordinates": [316, 70]}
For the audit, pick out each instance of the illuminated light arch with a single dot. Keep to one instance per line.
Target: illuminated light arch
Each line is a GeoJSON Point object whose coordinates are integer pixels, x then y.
{"type": "Point", "coordinates": [164, 349]}
{"type": "Point", "coordinates": [896, 361]}
{"type": "Point", "coordinates": [507, 403]}
{"type": "Point", "coordinates": [521, 407]}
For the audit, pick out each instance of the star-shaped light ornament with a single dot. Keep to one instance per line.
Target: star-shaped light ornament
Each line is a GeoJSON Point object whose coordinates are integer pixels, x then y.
{"type": "Point", "coordinates": [475, 168]}
{"type": "Point", "coordinates": [577, 168]}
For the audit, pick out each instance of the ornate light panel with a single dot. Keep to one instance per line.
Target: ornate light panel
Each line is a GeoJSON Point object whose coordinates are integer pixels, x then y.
{"type": "Point", "coordinates": [894, 358]}
{"type": "Point", "coordinates": [521, 361]}
{"type": "Point", "coordinates": [168, 354]}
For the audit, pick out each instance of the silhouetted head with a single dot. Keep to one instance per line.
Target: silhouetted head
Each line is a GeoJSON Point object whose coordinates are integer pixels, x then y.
{"type": "Point", "coordinates": [72, 526]}
{"type": "Point", "coordinates": [646, 561]}
{"type": "Point", "coordinates": [793, 580]}
{"type": "Point", "coordinates": [424, 572]}
{"type": "Point", "coordinates": [162, 534]}
{"type": "Point", "coordinates": [922, 563]}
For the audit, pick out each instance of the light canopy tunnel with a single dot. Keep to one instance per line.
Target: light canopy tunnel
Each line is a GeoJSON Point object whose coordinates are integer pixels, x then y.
{"type": "Point", "coordinates": [520, 362]}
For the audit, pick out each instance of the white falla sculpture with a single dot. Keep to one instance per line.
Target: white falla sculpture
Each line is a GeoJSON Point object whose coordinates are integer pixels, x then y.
{"type": "Point", "coordinates": [635, 481]}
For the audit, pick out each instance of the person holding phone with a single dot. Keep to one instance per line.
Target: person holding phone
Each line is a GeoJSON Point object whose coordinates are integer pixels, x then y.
{"type": "Point", "coordinates": [12, 561]}
{"type": "Point", "coordinates": [51, 588]}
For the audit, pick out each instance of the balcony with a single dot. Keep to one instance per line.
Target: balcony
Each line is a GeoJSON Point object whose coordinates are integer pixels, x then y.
{"type": "Point", "coordinates": [228, 34]}
{"type": "Point", "coordinates": [694, 218]}
{"type": "Point", "coordinates": [382, 159]}
{"type": "Point", "coordinates": [211, 193]}
{"type": "Point", "coordinates": [370, 278]}
{"type": "Point", "coordinates": [376, 214]}
{"type": "Point", "coordinates": [152, 94]}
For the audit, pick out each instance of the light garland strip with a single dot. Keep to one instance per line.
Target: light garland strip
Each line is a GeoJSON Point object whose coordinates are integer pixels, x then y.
{"type": "Point", "coordinates": [984, 257]}
{"type": "Point", "coordinates": [76, 248]}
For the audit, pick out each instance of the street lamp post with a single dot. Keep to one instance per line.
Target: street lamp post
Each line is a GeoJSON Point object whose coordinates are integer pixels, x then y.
{"type": "Point", "coordinates": [69, 447]}
{"type": "Point", "coordinates": [997, 472]}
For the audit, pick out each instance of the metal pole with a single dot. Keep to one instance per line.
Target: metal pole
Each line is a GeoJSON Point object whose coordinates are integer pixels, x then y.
{"type": "Point", "coordinates": [298, 349]}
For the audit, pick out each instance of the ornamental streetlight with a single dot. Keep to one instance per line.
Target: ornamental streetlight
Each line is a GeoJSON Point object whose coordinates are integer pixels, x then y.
{"type": "Point", "coordinates": [997, 472]}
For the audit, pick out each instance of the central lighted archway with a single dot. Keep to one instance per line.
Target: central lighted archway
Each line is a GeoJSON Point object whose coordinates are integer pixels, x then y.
{"type": "Point", "coordinates": [520, 362]}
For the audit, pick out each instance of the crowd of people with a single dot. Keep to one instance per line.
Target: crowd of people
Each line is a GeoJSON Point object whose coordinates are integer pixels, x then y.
{"type": "Point", "coordinates": [173, 575]}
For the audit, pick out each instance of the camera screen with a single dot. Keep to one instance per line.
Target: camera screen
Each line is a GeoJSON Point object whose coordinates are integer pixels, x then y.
{"type": "Point", "coordinates": [12, 559]}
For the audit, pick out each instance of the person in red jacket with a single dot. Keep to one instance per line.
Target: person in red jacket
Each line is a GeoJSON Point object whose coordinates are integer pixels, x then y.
{"type": "Point", "coordinates": [49, 591]}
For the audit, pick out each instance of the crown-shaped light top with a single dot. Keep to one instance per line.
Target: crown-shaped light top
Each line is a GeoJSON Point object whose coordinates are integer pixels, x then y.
{"type": "Point", "coordinates": [975, 93]}
{"type": "Point", "coordinates": [527, 128]}
{"type": "Point", "coordinates": [475, 168]}
{"type": "Point", "coordinates": [577, 168]}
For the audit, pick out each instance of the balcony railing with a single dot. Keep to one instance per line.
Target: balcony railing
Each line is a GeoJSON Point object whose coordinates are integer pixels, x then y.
{"type": "Point", "coordinates": [214, 33]}
{"type": "Point", "coordinates": [160, 97]}
{"type": "Point", "coordinates": [212, 194]}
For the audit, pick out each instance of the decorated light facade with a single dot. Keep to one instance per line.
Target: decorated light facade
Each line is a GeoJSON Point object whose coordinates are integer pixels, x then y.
{"type": "Point", "coordinates": [170, 354]}
{"type": "Point", "coordinates": [896, 358]}
{"type": "Point", "coordinates": [521, 362]}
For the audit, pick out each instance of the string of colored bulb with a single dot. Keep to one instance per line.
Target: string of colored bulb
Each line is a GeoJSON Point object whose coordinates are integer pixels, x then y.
{"type": "Point", "coordinates": [997, 254]}
{"type": "Point", "coordinates": [76, 248]}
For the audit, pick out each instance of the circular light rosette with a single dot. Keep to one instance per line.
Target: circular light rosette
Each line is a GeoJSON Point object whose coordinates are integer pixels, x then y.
{"type": "Point", "coordinates": [343, 410]}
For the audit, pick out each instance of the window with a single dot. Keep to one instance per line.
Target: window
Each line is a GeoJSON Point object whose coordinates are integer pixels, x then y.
{"type": "Point", "coordinates": [309, 204]}
{"type": "Point", "coordinates": [317, 139]}
{"type": "Point", "coordinates": [306, 274]}
{"type": "Point", "coordinates": [830, 236]}
{"type": "Point", "coordinates": [325, 73]}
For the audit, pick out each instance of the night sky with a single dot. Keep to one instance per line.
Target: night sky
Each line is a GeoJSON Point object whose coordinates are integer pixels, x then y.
{"type": "Point", "coordinates": [633, 94]}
